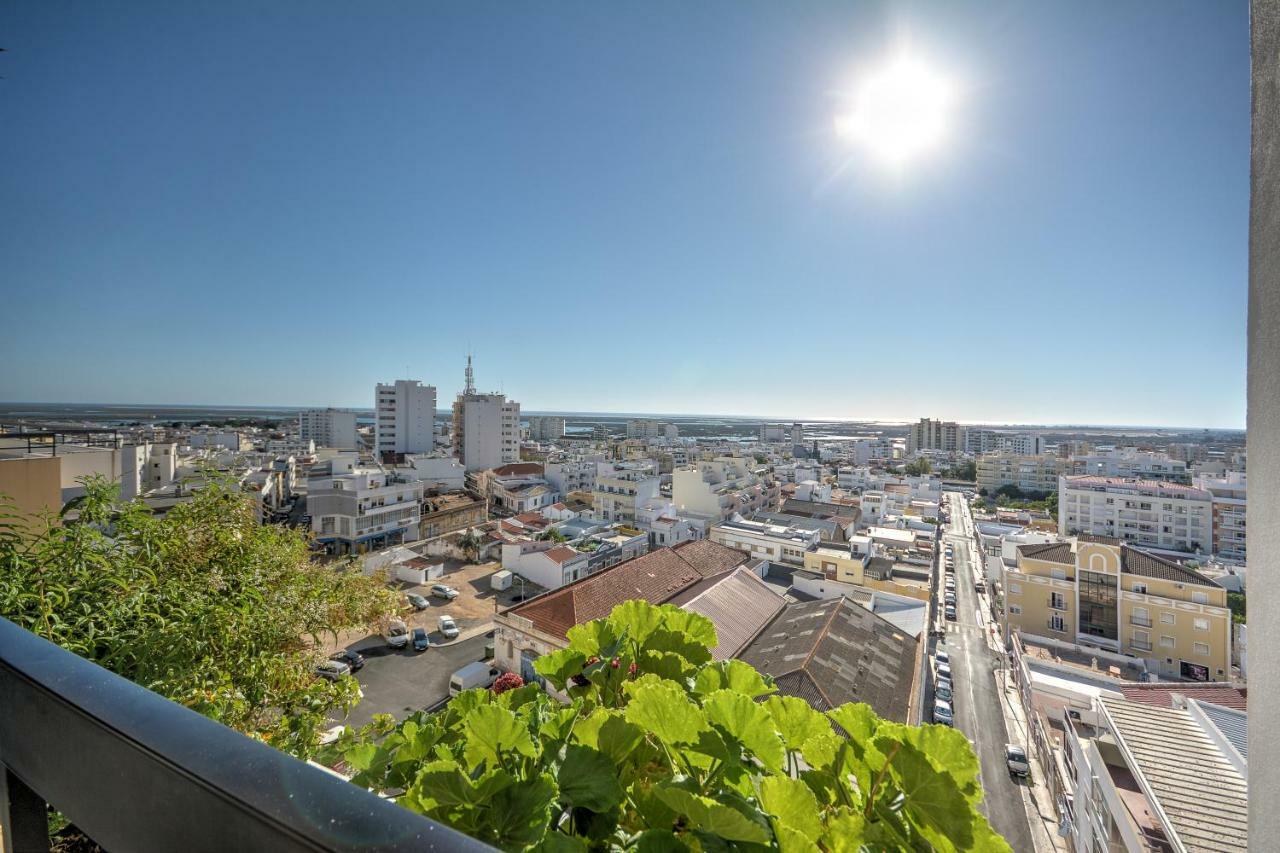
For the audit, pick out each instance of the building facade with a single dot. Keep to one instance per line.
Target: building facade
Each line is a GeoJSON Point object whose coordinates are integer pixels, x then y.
{"type": "Point", "coordinates": [545, 427]}
{"type": "Point", "coordinates": [486, 430]}
{"type": "Point", "coordinates": [928, 434]}
{"type": "Point", "coordinates": [1027, 473]}
{"type": "Point", "coordinates": [1228, 495]}
{"type": "Point", "coordinates": [1144, 512]}
{"type": "Point", "coordinates": [404, 417]}
{"type": "Point", "coordinates": [1098, 591]}
{"type": "Point", "coordinates": [330, 428]}
{"type": "Point", "coordinates": [356, 509]}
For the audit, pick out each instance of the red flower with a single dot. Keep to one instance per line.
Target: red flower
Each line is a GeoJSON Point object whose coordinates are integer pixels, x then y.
{"type": "Point", "coordinates": [507, 681]}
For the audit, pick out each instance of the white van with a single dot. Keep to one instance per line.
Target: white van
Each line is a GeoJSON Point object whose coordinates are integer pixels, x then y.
{"type": "Point", "coordinates": [481, 673]}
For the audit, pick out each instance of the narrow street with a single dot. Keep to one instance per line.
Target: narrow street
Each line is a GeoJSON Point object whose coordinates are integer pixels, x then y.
{"type": "Point", "coordinates": [977, 699]}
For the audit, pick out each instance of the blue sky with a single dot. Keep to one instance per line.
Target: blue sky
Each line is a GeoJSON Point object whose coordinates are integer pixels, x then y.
{"type": "Point", "coordinates": [626, 207]}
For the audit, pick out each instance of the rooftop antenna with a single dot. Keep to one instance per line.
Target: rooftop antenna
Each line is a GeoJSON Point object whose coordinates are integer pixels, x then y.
{"type": "Point", "coordinates": [471, 379]}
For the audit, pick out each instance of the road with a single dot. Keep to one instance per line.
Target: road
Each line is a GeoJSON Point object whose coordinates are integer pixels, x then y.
{"type": "Point", "coordinates": [977, 701]}
{"type": "Point", "coordinates": [401, 681]}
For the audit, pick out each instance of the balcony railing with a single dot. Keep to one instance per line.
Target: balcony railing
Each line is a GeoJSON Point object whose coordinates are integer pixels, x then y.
{"type": "Point", "coordinates": [1057, 603]}
{"type": "Point", "coordinates": [1140, 645]}
{"type": "Point", "coordinates": [137, 772]}
{"type": "Point", "coordinates": [1140, 621]}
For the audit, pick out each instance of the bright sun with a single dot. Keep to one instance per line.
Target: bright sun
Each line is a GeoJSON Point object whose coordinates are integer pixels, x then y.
{"type": "Point", "coordinates": [900, 111]}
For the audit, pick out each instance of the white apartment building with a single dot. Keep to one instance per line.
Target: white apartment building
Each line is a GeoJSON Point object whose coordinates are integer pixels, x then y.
{"type": "Point", "coordinates": [621, 492]}
{"type": "Point", "coordinates": [486, 430]}
{"type": "Point", "coordinates": [944, 436]}
{"type": "Point", "coordinates": [144, 467]}
{"type": "Point", "coordinates": [299, 447]}
{"type": "Point", "coordinates": [1130, 463]}
{"type": "Point", "coordinates": [1229, 497]}
{"type": "Point", "coordinates": [225, 439]}
{"type": "Point", "coordinates": [979, 441]}
{"type": "Point", "coordinates": [772, 432]}
{"type": "Point", "coordinates": [1141, 512]}
{"type": "Point", "coordinates": [405, 417]}
{"type": "Point", "coordinates": [545, 427]}
{"type": "Point", "coordinates": [864, 451]}
{"type": "Point", "coordinates": [715, 489]}
{"type": "Point", "coordinates": [437, 472]}
{"type": "Point", "coordinates": [1027, 473]}
{"type": "Point", "coordinates": [357, 508]}
{"type": "Point", "coordinates": [650, 428]}
{"type": "Point", "coordinates": [774, 542]}
{"type": "Point", "coordinates": [566, 477]}
{"type": "Point", "coordinates": [329, 428]}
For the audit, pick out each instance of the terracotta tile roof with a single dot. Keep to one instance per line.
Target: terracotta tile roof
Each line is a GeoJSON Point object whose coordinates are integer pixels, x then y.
{"type": "Point", "coordinates": [560, 554]}
{"type": "Point", "coordinates": [1137, 562]}
{"type": "Point", "coordinates": [655, 577]}
{"type": "Point", "coordinates": [1052, 552]}
{"type": "Point", "coordinates": [1161, 693]}
{"type": "Point", "coordinates": [559, 506]}
{"type": "Point", "coordinates": [832, 651]}
{"type": "Point", "coordinates": [532, 518]}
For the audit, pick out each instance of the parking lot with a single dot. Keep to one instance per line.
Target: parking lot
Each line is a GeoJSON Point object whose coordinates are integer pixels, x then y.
{"type": "Point", "coordinates": [476, 603]}
{"type": "Point", "coordinates": [401, 681]}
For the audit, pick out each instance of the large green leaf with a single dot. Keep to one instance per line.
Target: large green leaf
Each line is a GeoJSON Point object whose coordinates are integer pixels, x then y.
{"type": "Point", "coordinates": [588, 779]}
{"type": "Point", "coordinates": [747, 722]}
{"type": "Point", "coordinates": [663, 709]}
{"type": "Point", "coordinates": [519, 815]}
{"type": "Point", "coordinates": [712, 817]}
{"type": "Point", "coordinates": [948, 751]}
{"type": "Point", "coordinates": [559, 666]}
{"type": "Point", "coordinates": [657, 841]}
{"type": "Point", "coordinates": [732, 675]}
{"type": "Point", "coordinates": [637, 618]}
{"type": "Point", "coordinates": [698, 628]}
{"type": "Point", "coordinates": [792, 805]}
{"type": "Point", "coordinates": [618, 738]}
{"type": "Point", "coordinates": [492, 732]}
{"type": "Point", "coordinates": [591, 638]}
{"type": "Point", "coordinates": [933, 802]}
{"type": "Point", "coordinates": [796, 720]}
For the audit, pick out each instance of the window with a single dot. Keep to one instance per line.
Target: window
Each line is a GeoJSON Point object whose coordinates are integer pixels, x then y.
{"type": "Point", "coordinates": [1202, 649]}
{"type": "Point", "coordinates": [1057, 601]}
{"type": "Point", "coordinates": [1058, 574]}
{"type": "Point", "coordinates": [1200, 624]}
{"type": "Point", "coordinates": [1141, 616]}
{"type": "Point", "coordinates": [1015, 610]}
{"type": "Point", "coordinates": [1140, 587]}
{"type": "Point", "coordinates": [1200, 597]}
{"type": "Point", "coordinates": [1167, 642]}
{"type": "Point", "coordinates": [1056, 623]}
{"type": "Point", "coordinates": [1167, 617]}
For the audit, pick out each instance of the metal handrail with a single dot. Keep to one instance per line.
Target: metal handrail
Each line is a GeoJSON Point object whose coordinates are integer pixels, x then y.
{"type": "Point", "coordinates": [135, 771]}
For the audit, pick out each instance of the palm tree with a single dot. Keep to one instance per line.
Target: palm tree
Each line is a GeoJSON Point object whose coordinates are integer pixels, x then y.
{"type": "Point", "coordinates": [470, 543]}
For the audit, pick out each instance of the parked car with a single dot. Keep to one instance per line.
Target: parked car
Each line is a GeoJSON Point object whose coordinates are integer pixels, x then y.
{"type": "Point", "coordinates": [439, 590]}
{"type": "Point", "coordinates": [942, 672]}
{"type": "Point", "coordinates": [332, 670]}
{"type": "Point", "coordinates": [350, 657]}
{"type": "Point", "coordinates": [419, 602]}
{"type": "Point", "coordinates": [942, 690]}
{"type": "Point", "coordinates": [447, 626]}
{"type": "Point", "coordinates": [397, 635]}
{"type": "Point", "coordinates": [1015, 758]}
{"type": "Point", "coordinates": [941, 656]}
{"type": "Point", "coordinates": [421, 642]}
{"type": "Point", "coordinates": [477, 674]}
{"type": "Point", "coordinates": [942, 713]}
{"type": "Point", "coordinates": [951, 613]}
{"type": "Point", "coordinates": [979, 586]}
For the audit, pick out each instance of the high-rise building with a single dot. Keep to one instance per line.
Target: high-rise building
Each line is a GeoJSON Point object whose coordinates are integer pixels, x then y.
{"type": "Point", "coordinates": [545, 427]}
{"type": "Point", "coordinates": [404, 417]}
{"type": "Point", "coordinates": [328, 428]}
{"type": "Point", "coordinates": [772, 432]}
{"type": "Point", "coordinates": [486, 428]}
{"type": "Point", "coordinates": [1230, 498]}
{"type": "Point", "coordinates": [928, 434]}
{"type": "Point", "coordinates": [650, 428]}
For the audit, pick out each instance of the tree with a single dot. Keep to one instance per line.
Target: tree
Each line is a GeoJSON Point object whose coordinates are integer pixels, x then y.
{"type": "Point", "coordinates": [552, 535]}
{"type": "Point", "coordinates": [659, 748]}
{"type": "Point", "coordinates": [470, 543]}
{"type": "Point", "coordinates": [202, 605]}
{"type": "Point", "coordinates": [919, 467]}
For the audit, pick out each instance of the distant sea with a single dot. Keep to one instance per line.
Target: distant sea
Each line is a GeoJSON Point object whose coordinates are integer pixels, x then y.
{"type": "Point", "coordinates": [109, 415]}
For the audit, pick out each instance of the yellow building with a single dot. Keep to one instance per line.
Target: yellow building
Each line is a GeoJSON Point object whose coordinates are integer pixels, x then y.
{"type": "Point", "coordinates": [836, 561]}
{"type": "Point", "coordinates": [1096, 591]}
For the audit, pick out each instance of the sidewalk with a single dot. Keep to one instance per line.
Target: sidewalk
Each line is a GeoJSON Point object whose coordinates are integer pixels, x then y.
{"type": "Point", "coordinates": [1041, 814]}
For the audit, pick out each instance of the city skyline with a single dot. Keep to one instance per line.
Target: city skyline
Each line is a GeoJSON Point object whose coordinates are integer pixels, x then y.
{"type": "Point", "coordinates": [651, 216]}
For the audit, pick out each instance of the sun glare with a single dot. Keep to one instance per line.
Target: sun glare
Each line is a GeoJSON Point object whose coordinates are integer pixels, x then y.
{"type": "Point", "coordinates": [899, 112]}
